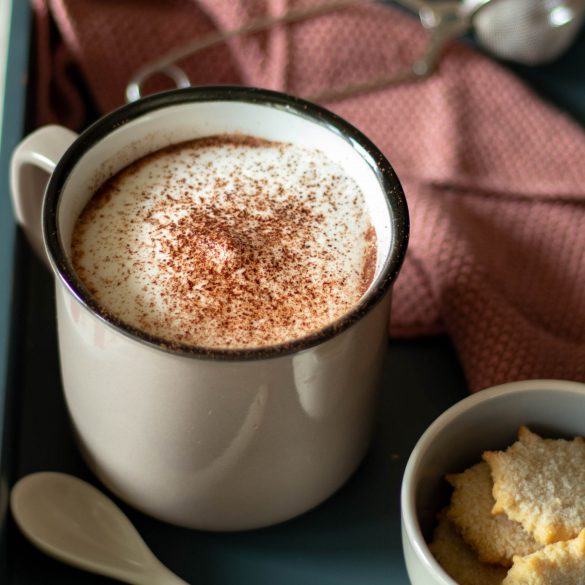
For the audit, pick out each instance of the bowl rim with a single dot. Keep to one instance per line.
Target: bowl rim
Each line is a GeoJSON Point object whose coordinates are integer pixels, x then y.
{"type": "Point", "coordinates": [408, 515]}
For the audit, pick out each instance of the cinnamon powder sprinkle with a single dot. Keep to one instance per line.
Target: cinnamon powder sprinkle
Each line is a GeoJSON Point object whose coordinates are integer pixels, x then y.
{"type": "Point", "coordinates": [227, 242]}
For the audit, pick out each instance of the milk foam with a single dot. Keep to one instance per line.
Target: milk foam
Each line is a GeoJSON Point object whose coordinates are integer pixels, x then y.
{"type": "Point", "coordinates": [227, 242]}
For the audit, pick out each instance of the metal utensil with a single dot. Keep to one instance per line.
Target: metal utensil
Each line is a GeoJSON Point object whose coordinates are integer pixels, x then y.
{"type": "Point", "coordinates": [444, 21]}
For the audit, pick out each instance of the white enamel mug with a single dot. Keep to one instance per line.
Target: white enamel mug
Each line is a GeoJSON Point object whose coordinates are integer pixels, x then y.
{"type": "Point", "coordinates": [211, 439]}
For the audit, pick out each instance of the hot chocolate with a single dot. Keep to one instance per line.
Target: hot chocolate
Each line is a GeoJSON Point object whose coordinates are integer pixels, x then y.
{"type": "Point", "coordinates": [227, 242]}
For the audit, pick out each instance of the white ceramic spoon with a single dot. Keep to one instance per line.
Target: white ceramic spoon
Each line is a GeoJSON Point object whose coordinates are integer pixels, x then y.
{"type": "Point", "coordinates": [74, 522]}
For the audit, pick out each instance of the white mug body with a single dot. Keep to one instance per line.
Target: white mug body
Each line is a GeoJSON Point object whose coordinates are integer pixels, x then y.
{"type": "Point", "coordinates": [215, 439]}
{"type": "Point", "coordinates": [219, 445]}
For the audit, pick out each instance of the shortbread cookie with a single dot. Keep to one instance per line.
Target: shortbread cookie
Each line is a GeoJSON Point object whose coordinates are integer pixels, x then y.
{"type": "Point", "coordinates": [561, 563]}
{"type": "Point", "coordinates": [496, 539]}
{"type": "Point", "coordinates": [541, 484]}
{"type": "Point", "coordinates": [459, 561]}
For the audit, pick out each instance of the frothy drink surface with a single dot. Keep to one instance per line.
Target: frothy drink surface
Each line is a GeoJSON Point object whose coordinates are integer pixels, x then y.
{"type": "Point", "coordinates": [227, 242]}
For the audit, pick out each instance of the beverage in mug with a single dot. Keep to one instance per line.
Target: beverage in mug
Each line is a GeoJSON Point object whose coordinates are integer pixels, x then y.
{"type": "Point", "coordinates": [223, 261]}
{"type": "Point", "coordinates": [227, 241]}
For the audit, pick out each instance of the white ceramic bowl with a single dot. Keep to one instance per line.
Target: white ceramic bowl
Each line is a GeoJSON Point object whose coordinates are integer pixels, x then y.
{"type": "Point", "coordinates": [484, 421]}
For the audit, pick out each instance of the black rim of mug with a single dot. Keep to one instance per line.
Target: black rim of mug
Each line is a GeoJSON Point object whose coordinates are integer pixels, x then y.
{"type": "Point", "coordinates": [385, 174]}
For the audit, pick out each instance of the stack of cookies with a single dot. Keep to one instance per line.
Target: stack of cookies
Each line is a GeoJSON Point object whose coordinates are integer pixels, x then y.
{"type": "Point", "coordinates": [518, 516]}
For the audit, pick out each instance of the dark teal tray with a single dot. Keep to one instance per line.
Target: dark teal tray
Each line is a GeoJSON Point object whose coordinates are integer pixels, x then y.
{"type": "Point", "coordinates": [353, 538]}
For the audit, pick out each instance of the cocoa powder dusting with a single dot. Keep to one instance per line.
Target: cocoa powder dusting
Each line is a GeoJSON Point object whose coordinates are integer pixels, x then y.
{"type": "Point", "coordinates": [228, 241]}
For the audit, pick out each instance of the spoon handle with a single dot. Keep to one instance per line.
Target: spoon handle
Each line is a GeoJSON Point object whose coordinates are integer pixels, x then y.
{"type": "Point", "coordinates": [76, 523]}
{"type": "Point", "coordinates": [159, 575]}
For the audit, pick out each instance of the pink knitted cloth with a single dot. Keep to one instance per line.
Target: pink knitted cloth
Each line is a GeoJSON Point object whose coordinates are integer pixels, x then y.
{"type": "Point", "coordinates": [494, 177]}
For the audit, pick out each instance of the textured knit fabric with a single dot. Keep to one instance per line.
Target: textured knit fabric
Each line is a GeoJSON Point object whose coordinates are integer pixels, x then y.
{"type": "Point", "coordinates": [494, 177]}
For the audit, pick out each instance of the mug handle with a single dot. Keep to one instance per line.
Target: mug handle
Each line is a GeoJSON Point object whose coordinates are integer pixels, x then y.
{"type": "Point", "coordinates": [32, 163]}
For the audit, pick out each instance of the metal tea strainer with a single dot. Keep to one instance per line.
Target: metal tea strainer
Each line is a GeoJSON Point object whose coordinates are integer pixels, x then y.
{"type": "Point", "coordinates": [523, 31]}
